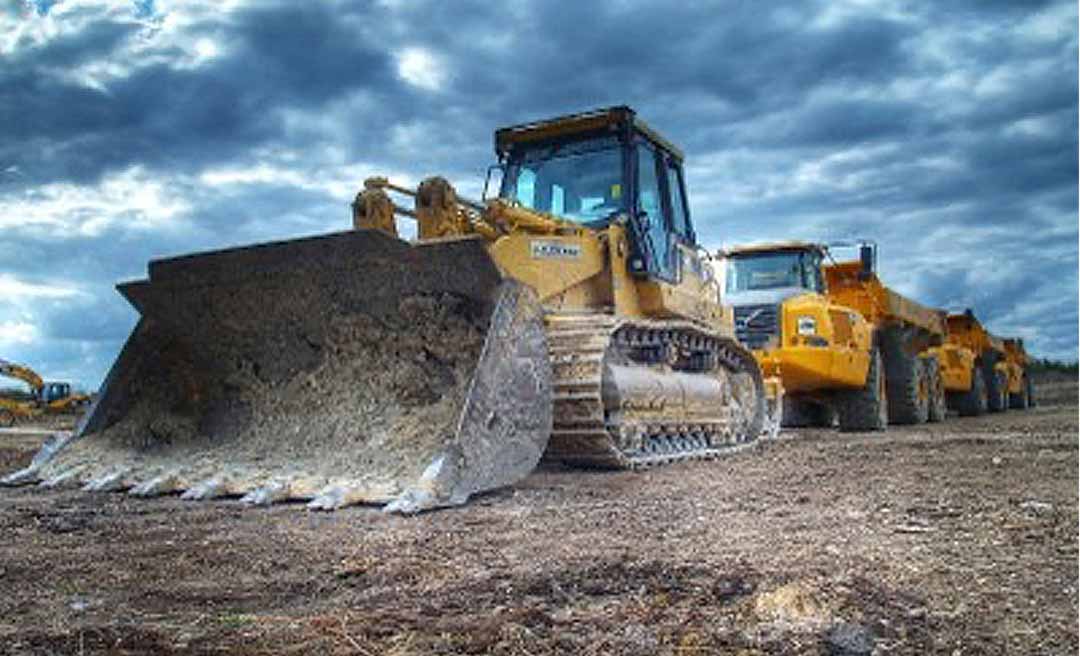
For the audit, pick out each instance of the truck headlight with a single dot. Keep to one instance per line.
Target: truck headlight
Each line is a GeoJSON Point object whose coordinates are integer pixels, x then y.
{"type": "Point", "coordinates": [806, 325]}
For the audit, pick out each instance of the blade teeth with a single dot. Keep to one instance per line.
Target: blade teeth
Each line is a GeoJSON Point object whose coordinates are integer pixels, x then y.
{"type": "Point", "coordinates": [112, 482]}
{"type": "Point", "coordinates": [215, 484]}
{"type": "Point", "coordinates": [267, 494]}
{"type": "Point", "coordinates": [210, 488]}
{"type": "Point", "coordinates": [158, 485]}
{"type": "Point", "coordinates": [410, 502]}
{"type": "Point", "coordinates": [24, 476]}
{"type": "Point", "coordinates": [67, 476]}
{"type": "Point", "coordinates": [339, 495]}
{"type": "Point", "coordinates": [329, 498]}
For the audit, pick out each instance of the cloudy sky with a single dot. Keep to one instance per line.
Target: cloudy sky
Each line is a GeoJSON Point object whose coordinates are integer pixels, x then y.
{"type": "Point", "coordinates": [947, 131]}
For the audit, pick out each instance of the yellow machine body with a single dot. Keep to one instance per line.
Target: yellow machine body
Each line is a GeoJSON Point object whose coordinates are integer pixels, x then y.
{"type": "Point", "coordinates": [834, 355]}
{"type": "Point", "coordinates": [957, 364]}
{"type": "Point", "coordinates": [1015, 364]}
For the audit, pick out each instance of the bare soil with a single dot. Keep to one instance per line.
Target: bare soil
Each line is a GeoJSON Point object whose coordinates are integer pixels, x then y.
{"type": "Point", "coordinates": [956, 538]}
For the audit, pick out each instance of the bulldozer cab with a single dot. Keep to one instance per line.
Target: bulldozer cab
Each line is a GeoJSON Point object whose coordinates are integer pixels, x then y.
{"type": "Point", "coordinates": [774, 266]}
{"type": "Point", "coordinates": [599, 167]}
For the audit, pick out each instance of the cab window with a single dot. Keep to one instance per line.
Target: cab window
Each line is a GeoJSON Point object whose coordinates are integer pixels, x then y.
{"type": "Point", "coordinates": [650, 209]}
{"type": "Point", "coordinates": [678, 204]}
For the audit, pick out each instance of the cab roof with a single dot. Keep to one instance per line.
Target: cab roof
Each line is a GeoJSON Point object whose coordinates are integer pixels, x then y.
{"type": "Point", "coordinates": [616, 117]}
{"type": "Point", "coordinates": [772, 246]}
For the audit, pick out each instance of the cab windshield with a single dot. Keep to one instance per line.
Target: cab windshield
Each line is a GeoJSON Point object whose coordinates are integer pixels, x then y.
{"type": "Point", "coordinates": [581, 180]}
{"type": "Point", "coordinates": [774, 270]}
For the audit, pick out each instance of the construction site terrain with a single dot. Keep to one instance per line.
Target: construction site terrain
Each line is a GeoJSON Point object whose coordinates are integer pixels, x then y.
{"type": "Point", "coordinates": [956, 538]}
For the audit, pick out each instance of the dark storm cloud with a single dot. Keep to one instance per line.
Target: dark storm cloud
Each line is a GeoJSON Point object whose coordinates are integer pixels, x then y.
{"type": "Point", "coordinates": [291, 56]}
{"type": "Point", "coordinates": [946, 131]}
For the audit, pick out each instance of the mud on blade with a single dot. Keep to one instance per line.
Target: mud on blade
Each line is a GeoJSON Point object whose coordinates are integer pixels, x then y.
{"type": "Point", "coordinates": [341, 369]}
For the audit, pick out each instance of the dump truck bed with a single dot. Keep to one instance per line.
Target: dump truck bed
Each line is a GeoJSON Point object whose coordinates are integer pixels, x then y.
{"type": "Point", "coordinates": [881, 306]}
{"type": "Point", "coordinates": [965, 330]}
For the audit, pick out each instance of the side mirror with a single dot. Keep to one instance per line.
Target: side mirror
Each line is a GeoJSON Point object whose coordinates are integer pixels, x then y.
{"type": "Point", "coordinates": [866, 257]}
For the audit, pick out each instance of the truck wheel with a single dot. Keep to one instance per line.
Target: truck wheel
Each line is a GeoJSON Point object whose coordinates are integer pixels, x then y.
{"type": "Point", "coordinates": [974, 401]}
{"type": "Point", "coordinates": [800, 413]}
{"type": "Point", "coordinates": [997, 391]}
{"type": "Point", "coordinates": [906, 384]}
{"type": "Point", "coordinates": [1019, 401]}
{"type": "Point", "coordinates": [867, 408]}
{"type": "Point", "coordinates": [936, 384]}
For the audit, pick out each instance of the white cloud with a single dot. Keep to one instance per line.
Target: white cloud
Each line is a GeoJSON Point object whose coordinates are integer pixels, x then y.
{"type": "Point", "coordinates": [13, 289]}
{"type": "Point", "coordinates": [337, 181]}
{"type": "Point", "coordinates": [15, 333]}
{"type": "Point", "coordinates": [131, 198]}
{"type": "Point", "coordinates": [421, 68]}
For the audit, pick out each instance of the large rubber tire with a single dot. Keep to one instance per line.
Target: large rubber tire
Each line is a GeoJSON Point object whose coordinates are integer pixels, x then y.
{"type": "Point", "coordinates": [866, 409]}
{"type": "Point", "coordinates": [801, 413]}
{"type": "Point", "coordinates": [905, 382]}
{"type": "Point", "coordinates": [7, 417]}
{"type": "Point", "coordinates": [997, 393]}
{"type": "Point", "coordinates": [936, 384]}
{"type": "Point", "coordinates": [1021, 400]}
{"type": "Point", "coordinates": [974, 402]}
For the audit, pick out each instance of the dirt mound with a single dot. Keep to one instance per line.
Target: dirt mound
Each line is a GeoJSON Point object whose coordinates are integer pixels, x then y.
{"type": "Point", "coordinates": [381, 395]}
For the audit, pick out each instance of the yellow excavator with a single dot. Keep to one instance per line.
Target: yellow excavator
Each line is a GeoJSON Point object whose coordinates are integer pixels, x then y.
{"type": "Point", "coordinates": [571, 316]}
{"type": "Point", "coordinates": [46, 397]}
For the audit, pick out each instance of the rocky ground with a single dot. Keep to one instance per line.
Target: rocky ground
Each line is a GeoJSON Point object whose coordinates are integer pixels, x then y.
{"type": "Point", "coordinates": [956, 538]}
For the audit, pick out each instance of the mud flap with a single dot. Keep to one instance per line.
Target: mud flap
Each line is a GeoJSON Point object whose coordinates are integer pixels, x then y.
{"type": "Point", "coordinates": [341, 369]}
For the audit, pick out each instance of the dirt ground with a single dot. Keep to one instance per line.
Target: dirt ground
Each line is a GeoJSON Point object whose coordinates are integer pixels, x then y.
{"type": "Point", "coordinates": [955, 538]}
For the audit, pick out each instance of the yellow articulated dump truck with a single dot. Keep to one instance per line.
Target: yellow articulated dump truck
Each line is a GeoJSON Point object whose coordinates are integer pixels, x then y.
{"type": "Point", "coordinates": [845, 347]}
{"type": "Point", "coordinates": [1021, 389]}
{"type": "Point", "coordinates": [983, 372]}
{"type": "Point", "coordinates": [572, 316]}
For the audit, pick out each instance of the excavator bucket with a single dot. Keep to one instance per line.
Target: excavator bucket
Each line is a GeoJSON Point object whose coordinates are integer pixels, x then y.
{"type": "Point", "coordinates": [342, 369]}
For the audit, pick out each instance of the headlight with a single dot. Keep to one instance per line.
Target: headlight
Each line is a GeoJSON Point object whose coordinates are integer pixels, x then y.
{"type": "Point", "coordinates": [806, 325]}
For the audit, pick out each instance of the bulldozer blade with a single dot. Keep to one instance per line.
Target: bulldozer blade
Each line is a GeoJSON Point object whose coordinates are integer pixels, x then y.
{"type": "Point", "coordinates": [350, 368]}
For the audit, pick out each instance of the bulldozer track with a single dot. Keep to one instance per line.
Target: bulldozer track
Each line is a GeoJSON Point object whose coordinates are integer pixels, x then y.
{"type": "Point", "coordinates": [584, 433]}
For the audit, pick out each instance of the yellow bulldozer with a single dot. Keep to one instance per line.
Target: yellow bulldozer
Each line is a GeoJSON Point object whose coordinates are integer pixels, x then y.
{"type": "Point", "coordinates": [571, 316]}
{"type": "Point", "coordinates": [845, 346]}
{"type": "Point", "coordinates": [52, 397]}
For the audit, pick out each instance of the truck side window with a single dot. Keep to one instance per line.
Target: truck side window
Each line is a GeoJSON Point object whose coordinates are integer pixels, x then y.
{"type": "Point", "coordinates": [811, 272]}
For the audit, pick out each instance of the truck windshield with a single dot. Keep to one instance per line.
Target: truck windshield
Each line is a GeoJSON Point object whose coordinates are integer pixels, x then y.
{"type": "Point", "coordinates": [581, 181]}
{"type": "Point", "coordinates": [771, 271]}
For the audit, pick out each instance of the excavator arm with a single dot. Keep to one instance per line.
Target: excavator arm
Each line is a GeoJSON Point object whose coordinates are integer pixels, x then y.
{"type": "Point", "coordinates": [23, 373]}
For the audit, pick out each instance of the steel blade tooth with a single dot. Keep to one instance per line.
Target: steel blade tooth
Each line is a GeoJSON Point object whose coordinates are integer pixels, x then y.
{"type": "Point", "coordinates": [69, 475]}
{"type": "Point", "coordinates": [211, 488]}
{"type": "Point", "coordinates": [114, 481]}
{"type": "Point", "coordinates": [25, 476]}
{"type": "Point", "coordinates": [165, 483]}
{"type": "Point", "coordinates": [272, 492]}
{"type": "Point", "coordinates": [349, 493]}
